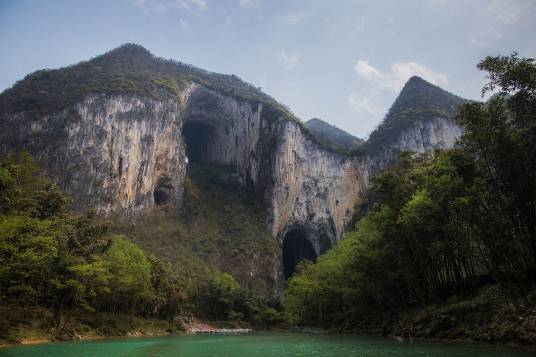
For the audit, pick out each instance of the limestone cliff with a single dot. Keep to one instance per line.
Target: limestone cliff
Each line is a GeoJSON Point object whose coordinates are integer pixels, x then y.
{"type": "Point", "coordinates": [121, 137]}
{"type": "Point", "coordinates": [435, 133]}
{"type": "Point", "coordinates": [314, 190]}
{"type": "Point", "coordinates": [110, 151]}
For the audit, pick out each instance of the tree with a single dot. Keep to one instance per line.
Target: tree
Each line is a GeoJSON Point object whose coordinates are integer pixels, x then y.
{"type": "Point", "coordinates": [79, 274]}
{"type": "Point", "coordinates": [130, 274]}
{"type": "Point", "coordinates": [27, 253]}
{"type": "Point", "coordinates": [168, 299]}
{"type": "Point", "coordinates": [501, 138]}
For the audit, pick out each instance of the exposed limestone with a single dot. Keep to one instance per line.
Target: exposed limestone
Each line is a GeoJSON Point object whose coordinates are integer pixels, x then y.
{"type": "Point", "coordinates": [124, 152]}
{"type": "Point", "coordinates": [108, 151]}
{"type": "Point", "coordinates": [426, 135]}
{"type": "Point", "coordinates": [314, 189]}
{"type": "Point", "coordinates": [232, 128]}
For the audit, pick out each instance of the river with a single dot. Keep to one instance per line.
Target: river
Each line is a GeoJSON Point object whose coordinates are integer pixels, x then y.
{"type": "Point", "coordinates": [258, 344]}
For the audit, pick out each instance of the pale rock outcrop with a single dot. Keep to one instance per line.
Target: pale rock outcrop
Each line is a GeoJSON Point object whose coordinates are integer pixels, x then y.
{"type": "Point", "coordinates": [126, 152]}
{"type": "Point", "coordinates": [314, 189]}
{"type": "Point", "coordinates": [109, 151]}
{"type": "Point", "coordinates": [435, 133]}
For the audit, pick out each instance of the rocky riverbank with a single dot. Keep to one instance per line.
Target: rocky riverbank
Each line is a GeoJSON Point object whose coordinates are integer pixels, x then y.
{"type": "Point", "coordinates": [30, 325]}
{"type": "Point", "coordinates": [485, 318]}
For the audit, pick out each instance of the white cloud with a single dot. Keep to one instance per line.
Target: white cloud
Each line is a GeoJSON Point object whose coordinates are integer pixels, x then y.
{"type": "Point", "coordinates": [366, 71]}
{"type": "Point", "coordinates": [249, 3]}
{"type": "Point", "coordinates": [478, 42]}
{"type": "Point", "coordinates": [163, 5]}
{"type": "Point", "coordinates": [293, 19]}
{"type": "Point", "coordinates": [509, 12]}
{"type": "Point", "coordinates": [402, 71]}
{"type": "Point", "coordinates": [288, 60]}
{"type": "Point", "coordinates": [503, 15]}
{"type": "Point", "coordinates": [368, 113]}
{"type": "Point", "coordinates": [398, 74]}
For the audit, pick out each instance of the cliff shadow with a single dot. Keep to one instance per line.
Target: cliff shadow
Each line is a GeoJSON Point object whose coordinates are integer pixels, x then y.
{"type": "Point", "coordinates": [199, 137]}
{"type": "Point", "coordinates": [296, 247]}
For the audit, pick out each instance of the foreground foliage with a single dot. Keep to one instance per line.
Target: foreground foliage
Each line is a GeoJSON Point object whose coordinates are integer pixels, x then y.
{"type": "Point", "coordinates": [75, 264]}
{"type": "Point", "coordinates": [64, 261]}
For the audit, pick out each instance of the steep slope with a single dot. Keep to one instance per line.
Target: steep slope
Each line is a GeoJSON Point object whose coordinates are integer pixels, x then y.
{"type": "Point", "coordinates": [221, 227]}
{"type": "Point", "coordinates": [333, 136]}
{"type": "Point", "coordinates": [418, 102]}
{"type": "Point", "coordinates": [128, 69]}
{"type": "Point", "coordinates": [119, 132]}
{"type": "Point", "coordinates": [110, 129]}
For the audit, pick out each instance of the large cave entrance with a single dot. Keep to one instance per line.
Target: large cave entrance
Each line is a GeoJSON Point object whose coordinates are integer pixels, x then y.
{"type": "Point", "coordinates": [296, 247]}
{"type": "Point", "coordinates": [200, 140]}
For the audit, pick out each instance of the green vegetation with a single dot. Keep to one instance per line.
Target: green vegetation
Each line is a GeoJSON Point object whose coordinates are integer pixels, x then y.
{"type": "Point", "coordinates": [439, 227]}
{"type": "Point", "coordinates": [330, 135]}
{"type": "Point", "coordinates": [127, 69]}
{"type": "Point", "coordinates": [219, 245]}
{"type": "Point", "coordinates": [418, 101]}
{"type": "Point", "coordinates": [221, 228]}
{"type": "Point", "coordinates": [131, 69]}
{"type": "Point", "coordinates": [68, 262]}
{"type": "Point", "coordinates": [75, 266]}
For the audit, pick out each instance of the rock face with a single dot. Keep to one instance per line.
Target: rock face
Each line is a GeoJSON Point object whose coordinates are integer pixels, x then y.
{"type": "Point", "coordinates": [314, 190]}
{"type": "Point", "coordinates": [129, 152]}
{"type": "Point", "coordinates": [435, 133]}
{"type": "Point", "coordinates": [223, 130]}
{"type": "Point", "coordinates": [111, 152]}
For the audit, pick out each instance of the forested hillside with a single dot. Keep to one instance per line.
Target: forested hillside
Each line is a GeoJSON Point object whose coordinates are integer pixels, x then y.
{"type": "Point", "coordinates": [129, 68]}
{"type": "Point", "coordinates": [332, 136]}
{"type": "Point", "coordinates": [447, 246]}
{"type": "Point", "coordinates": [75, 275]}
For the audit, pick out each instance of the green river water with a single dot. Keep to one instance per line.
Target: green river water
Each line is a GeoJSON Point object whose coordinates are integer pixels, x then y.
{"type": "Point", "coordinates": [258, 345]}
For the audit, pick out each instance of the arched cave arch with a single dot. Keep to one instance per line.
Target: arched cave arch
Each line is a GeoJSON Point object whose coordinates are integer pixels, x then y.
{"type": "Point", "coordinates": [200, 139]}
{"type": "Point", "coordinates": [296, 247]}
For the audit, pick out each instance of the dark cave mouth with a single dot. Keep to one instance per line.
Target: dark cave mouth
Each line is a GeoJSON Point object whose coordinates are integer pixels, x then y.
{"type": "Point", "coordinates": [199, 138]}
{"type": "Point", "coordinates": [164, 191]}
{"type": "Point", "coordinates": [296, 247]}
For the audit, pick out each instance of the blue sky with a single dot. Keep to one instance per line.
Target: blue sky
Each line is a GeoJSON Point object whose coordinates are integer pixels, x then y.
{"type": "Point", "coordinates": [342, 61]}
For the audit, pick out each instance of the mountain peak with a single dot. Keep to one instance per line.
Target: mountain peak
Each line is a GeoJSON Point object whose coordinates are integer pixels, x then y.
{"type": "Point", "coordinates": [315, 121]}
{"type": "Point", "coordinates": [129, 68]}
{"type": "Point", "coordinates": [130, 54]}
{"type": "Point", "coordinates": [129, 49]}
{"type": "Point", "coordinates": [419, 100]}
{"type": "Point", "coordinates": [419, 94]}
{"type": "Point", "coordinates": [416, 85]}
{"type": "Point", "coordinates": [417, 79]}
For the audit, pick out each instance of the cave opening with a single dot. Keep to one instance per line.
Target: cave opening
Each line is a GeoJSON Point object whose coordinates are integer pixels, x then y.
{"type": "Point", "coordinates": [199, 138]}
{"type": "Point", "coordinates": [164, 191]}
{"type": "Point", "coordinates": [296, 247]}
